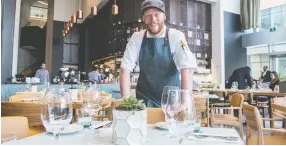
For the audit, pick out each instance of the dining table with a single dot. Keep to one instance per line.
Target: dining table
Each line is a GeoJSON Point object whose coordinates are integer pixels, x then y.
{"type": "Point", "coordinates": [210, 136]}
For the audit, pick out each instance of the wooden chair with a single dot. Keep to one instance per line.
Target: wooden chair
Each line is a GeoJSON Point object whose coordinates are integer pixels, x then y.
{"type": "Point", "coordinates": [155, 115]}
{"type": "Point", "coordinates": [254, 122]}
{"type": "Point", "coordinates": [202, 106]}
{"type": "Point", "coordinates": [277, 111]}
{"type": "Point", "coordinates": [230, 119]}
{"type": "Point", "coordinates": [16, 125]}
{"type": "Point", "coordinates": [30, 110]}
{"type": "Point", "coordinates": [18, 97]}
{"type": "Point", "coordinates": [109, 110]}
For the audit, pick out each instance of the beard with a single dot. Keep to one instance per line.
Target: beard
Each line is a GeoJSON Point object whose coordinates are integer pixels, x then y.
{"type": "Point", "coordinates": [155, 28]}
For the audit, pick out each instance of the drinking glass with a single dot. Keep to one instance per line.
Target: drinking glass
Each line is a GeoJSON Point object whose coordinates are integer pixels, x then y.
{"type": "Point", "coordinates": [5, 137]}
{"type": "Point", "coordinates": [164, 99]}
{"type": "Point", "coordinates": [56, 111]}
{"type": "Point", "coordinates": [276, 88]}
{"type": "Point", "coordinates": [92, 103]}
{"type": "Point", "coordinates": [188, 120]}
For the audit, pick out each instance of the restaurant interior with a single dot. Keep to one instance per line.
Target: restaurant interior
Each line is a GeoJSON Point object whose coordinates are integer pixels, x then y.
{"type": "Point", "coordinates": [63, 66]}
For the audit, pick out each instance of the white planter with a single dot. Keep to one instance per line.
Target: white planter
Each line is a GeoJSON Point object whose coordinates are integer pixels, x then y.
{"type": "Point", "coordinates": [128, 128]}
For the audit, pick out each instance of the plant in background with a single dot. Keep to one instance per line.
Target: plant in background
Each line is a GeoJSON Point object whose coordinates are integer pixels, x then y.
{"type": "Point", "coordinates": [131, 104]}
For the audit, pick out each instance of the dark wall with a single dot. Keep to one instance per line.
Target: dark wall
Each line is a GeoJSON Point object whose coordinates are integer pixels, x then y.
{"type": "Point", "coordinates": [7, 23]}
{"type": "Point", "coordinates": [58, 44]}
{"type": "Point", "coordinates": [235, 55]}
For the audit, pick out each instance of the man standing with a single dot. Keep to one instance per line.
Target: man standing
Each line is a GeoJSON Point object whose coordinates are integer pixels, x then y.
{"type": "Point", "coordinates": [162, 55]}
{"type": "Point", "coordinates": [42, 74]}
{"type": "Point", "coordinates": [265, 75]}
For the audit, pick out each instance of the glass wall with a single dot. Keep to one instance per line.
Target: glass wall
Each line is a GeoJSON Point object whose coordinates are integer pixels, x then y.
{"type": "Point", "coordinates": [275, 16]}
{"type": "Point", "coordinates": [256, 63]}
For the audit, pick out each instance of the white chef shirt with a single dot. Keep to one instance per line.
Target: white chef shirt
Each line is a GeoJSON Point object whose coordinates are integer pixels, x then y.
{"type": "Point", "coordinates": [183, 58]}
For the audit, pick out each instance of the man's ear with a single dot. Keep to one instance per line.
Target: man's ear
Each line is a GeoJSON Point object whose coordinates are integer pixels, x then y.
{"type": "Point", "coordinates": [165, 17]}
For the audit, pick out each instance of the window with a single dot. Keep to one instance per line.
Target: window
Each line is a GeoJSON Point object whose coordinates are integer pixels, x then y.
{"type": "Point", "coordinates": [273, 16]}
{"type": "Point", "coordinates": [256, 64]}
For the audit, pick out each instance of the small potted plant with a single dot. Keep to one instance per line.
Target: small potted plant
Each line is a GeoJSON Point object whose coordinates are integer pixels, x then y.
{"type": "Point", "coordinates": [129, 122]}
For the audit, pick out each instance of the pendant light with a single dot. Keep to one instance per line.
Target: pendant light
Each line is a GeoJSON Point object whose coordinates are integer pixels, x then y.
{"type": "Point", "coordinates": [79, 11]}
{"type": "Point", "coordinates": [70, 24]}
{"type": "Point", "coordinates": [93, 10]}
{"type": "Point", "coordinates": [73, 17]}
{"type": "Point", "coordinates": [63, 33]}
{"type": "Point", "coordinates": [114, 8]}
{"type": "Point", "coordinates": [66, 31]}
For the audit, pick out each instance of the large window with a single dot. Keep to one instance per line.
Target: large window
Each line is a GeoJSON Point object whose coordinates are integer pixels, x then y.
{"type": "Point", "coordinates": [256, 63]}
{"type": "Point", "coordinates": [275, 16]}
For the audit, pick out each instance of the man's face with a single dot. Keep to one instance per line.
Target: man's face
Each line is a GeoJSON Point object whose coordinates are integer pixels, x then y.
{"type": "Point", "coordinates": [43, 66]}
{"type": "Point", "coordinates": [154, 20]}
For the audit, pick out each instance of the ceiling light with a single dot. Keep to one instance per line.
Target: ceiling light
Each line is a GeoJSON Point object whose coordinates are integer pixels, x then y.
{"type": "Point", "coordinates": [42, 2]}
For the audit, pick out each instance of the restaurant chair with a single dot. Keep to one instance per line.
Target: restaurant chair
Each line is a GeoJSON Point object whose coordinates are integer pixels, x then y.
{"type": "Point", "coordinates": [254, 123]}
{"type": "Point", "coordinates": [229, 119]}
{"type": "Point", "coordinates": [15, 124]}
{"type": "Point", "coordinates": [202, 106]}
{"type": "Point", "coordinates": [109, 110]}
{"type": "Point", "coordinates": [30, 110]}
{"type": "Point", "coordinates": [18, 97]}
{"type": "Point", "coordinates": [277, 111]}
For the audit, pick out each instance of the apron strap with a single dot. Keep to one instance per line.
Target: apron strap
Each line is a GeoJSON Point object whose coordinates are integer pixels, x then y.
{"type": "Point", "coordinates": [166, 36]}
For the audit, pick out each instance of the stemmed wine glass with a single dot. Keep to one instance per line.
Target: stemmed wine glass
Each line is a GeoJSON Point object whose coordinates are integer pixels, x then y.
{"type": "Point", "coordinates": [92, 103]}
{"type": "Point", "coordinates": [56, 111]}
{"type": "Point", "coordinates": [184, 118]}
{"type": "Point", "coordinates": [164, 99]}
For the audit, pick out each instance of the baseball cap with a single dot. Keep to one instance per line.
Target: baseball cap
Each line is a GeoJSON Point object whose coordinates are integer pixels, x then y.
{"type": "Point", "coordinates": [152, 4]}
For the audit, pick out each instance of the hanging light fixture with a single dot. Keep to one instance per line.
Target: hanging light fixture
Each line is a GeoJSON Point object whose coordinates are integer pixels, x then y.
{"type": "Point", "coordinates": [73, 17]}
{"type": "Point", "coordinates": [70, 24]}
{"type": "Point", "coordinates": [114, 8]}
{"type": "Point", "coordinates": [66, 31]}
{"type": "Point", "coordinates": [63, 33]}
{"type": "Point", "coordinates": [79, 11]}
{"type": "Point", "coordinates": [94, 10]}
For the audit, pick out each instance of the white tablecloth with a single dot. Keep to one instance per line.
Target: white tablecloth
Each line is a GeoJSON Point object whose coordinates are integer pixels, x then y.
{"type": "Point", "coordinates": [155, 137]}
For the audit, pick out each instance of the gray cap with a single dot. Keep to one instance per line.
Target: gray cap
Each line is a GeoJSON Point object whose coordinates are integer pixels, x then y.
{"type": "Point", "coordinates": [152, 4]}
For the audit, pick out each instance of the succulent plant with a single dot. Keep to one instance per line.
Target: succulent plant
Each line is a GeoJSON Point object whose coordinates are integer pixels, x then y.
{"type": "Point", "coordinates": [131, 104]}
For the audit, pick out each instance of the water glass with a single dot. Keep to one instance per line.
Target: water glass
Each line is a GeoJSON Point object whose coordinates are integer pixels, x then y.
{"type": "Point", "coordinates": [56, 111]}
{"type": "Point", "coordinates": [5, 137]}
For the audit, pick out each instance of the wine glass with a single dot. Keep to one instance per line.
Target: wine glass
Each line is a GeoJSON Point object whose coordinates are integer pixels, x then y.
{"type": "Point", "coordinates": [92, 103]}
{"type": "Point", "coordinates": [276, 88]}
{"type": "Point", "coordinates": [164, 99]}
{"type": "Point", "coordinates": [56, 111]}
{"type": "Point", "coordinates": [188, 120]}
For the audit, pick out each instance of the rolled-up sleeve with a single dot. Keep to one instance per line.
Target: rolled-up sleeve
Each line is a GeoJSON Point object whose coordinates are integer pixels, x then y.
{"type": "Point", "coordinates": [130, 57]}
{"type": "Point", "coordinates": [183, 57]}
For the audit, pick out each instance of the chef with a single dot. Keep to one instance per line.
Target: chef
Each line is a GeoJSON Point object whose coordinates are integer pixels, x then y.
{"type": "Point", "coordinates": [43, 74]}
{"type": "Point", "coordinates": [162, 55]}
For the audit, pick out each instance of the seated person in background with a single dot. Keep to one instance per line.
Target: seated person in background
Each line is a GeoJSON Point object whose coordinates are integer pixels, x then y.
{"type": "Point", "coordinates": [274, 80]}
{"type": "Point", "coordinates": [102, 74]}
{"type": "Point", "coordinates": [240, 75]}
{"type": "Point", "coordinates": [265, 75]}
{"type": "Point", "coordinates": [94, 75]}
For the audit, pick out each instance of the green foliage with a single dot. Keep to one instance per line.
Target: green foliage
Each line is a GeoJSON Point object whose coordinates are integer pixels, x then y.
{"type": "Point", "coordinates": [131, 104]}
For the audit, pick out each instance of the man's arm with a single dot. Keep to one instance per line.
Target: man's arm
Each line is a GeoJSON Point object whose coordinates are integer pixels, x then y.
{"type": "Point", "coordinates": [37, 74]}
{"type": "Point", "coordinates": [124, 82]}
{"type": "Point", "coordinates": [187, 78]}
